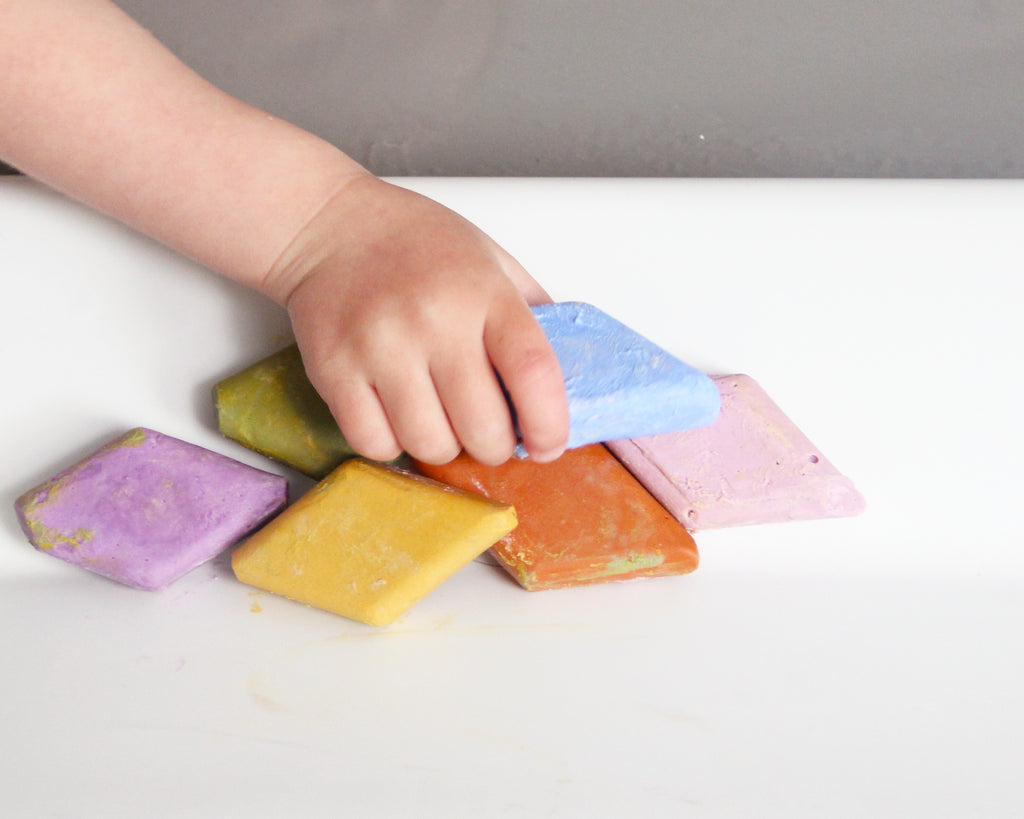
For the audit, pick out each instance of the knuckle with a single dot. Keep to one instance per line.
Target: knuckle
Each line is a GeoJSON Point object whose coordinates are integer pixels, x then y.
{"type": "Point", "coordinates": [535, 364]}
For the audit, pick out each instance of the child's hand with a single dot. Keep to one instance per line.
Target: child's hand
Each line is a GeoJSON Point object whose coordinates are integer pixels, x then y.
{"type": "Point", "coordinates": [404, 313]}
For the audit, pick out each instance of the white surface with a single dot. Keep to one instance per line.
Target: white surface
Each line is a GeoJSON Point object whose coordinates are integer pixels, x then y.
{"type": "Point", "coordinates": [844, 668]}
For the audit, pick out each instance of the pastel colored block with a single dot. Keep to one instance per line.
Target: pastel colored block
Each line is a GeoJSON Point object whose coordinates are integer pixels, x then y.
{"type": "Point", "coordinates": [619, 384]}
{"type": "Point", "coordinates": [272, 408]}
{"type": "Point", "coordinates": [583, 519]}
{"type": "Point", "coordinates": [369, 541]}
{"type": "Point", "coordinates": [147, 508]}
{"type": "Point", "coordinates": [752, 465]}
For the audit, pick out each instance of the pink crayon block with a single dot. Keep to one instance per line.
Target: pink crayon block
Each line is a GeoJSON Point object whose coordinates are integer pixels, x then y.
{"type": "Point", "coordinates": [751, 465]}
{"type": "Point", "coordinates": [147, 508]}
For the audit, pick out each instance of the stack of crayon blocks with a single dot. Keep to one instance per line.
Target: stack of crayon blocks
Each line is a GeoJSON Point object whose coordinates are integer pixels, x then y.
{"type": "Point", "coordinates": [657, 450]}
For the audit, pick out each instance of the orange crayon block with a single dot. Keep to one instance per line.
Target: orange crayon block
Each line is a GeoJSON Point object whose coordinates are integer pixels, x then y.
{"type": "Point", "coordinates": [582, 519]}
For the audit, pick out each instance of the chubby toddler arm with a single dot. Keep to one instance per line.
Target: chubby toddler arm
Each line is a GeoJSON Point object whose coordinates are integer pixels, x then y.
{"type": "Point", "coordinates": [410, 320]}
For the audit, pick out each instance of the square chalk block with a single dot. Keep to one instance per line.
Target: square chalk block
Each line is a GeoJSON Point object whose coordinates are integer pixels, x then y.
{"type": "Point", "coordinates": [368, 542]}
{"type": "Point", "coordinates": [583, 519]}
{"type": "Point", "coordinates": [619, 384]}
{"type": "Point", "coordinates": [146, 508]}
{"type": "Point", "coordinates": [272, 408]}
{"type": "Point", "coordinates": [752, 465]}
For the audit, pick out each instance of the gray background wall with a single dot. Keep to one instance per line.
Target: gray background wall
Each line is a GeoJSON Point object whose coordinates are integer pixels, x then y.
{"type": "Point", "coordinates": [928, 88]}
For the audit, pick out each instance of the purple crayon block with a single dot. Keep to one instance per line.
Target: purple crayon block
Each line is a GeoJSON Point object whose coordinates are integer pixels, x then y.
{"type": "Point", "coordinates": [146, 508]}
{"type": "Point", "coordinates": [618, 383]}
{"type": "Point", "coordinates": [752, 465]}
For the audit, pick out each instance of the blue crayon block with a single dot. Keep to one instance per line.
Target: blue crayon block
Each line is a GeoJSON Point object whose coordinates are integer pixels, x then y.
{"type": "Point", "coordinates": [619, 384]}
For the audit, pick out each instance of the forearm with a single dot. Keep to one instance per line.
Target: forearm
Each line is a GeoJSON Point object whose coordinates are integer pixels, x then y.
{"type": "Point", "coordinates": [413, 325]}
{"type": "Point", "coordinates": [93, 105]}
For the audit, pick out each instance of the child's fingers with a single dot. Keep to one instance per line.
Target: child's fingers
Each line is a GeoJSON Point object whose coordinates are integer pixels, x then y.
{"type": "Point", "coordinates": [476, 406]}
{"type": "Point", "coordinates": [414, 409]}
{"type": "Point", "coordinates": [530, 371]}
{"type": "Point", "coordinates": [357, 408]}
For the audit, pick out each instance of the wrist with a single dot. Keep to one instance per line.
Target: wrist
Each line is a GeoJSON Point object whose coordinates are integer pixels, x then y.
{"type": "Point", "coordinates": [334, 220]}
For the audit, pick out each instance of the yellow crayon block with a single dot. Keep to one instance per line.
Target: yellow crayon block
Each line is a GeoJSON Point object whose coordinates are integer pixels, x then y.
{"type": "Point", "coordinates": [369, 541]}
